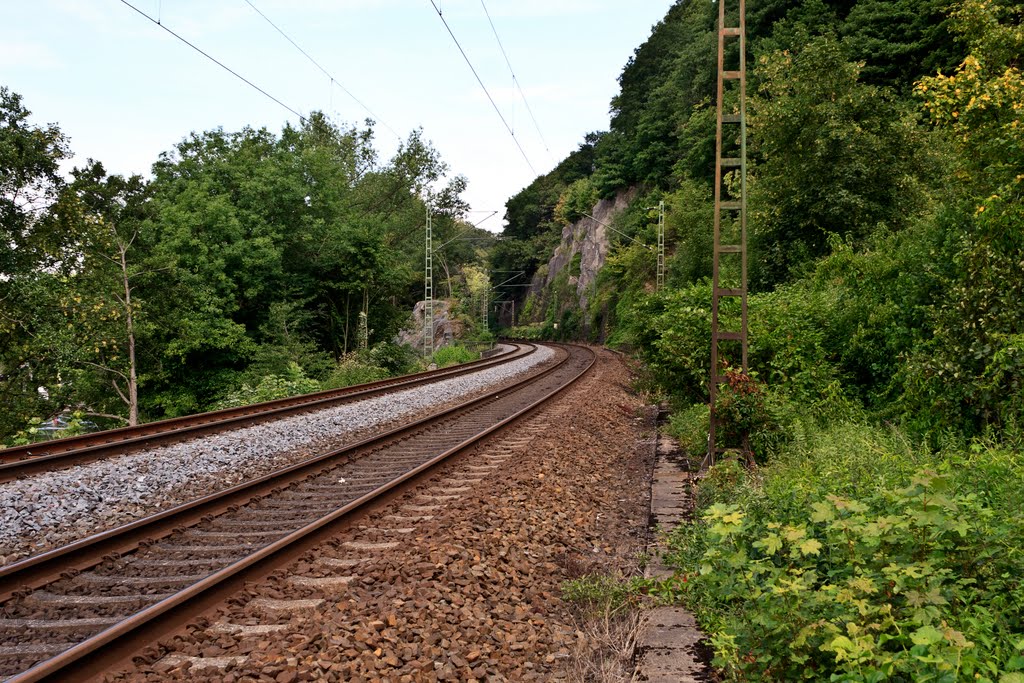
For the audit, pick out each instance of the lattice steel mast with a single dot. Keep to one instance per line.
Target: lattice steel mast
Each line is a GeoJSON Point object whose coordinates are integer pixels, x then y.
{"type": "Point", "coordinates": [428, 289]}
{"type": "Point", "coordinates": [733, 204]}
{"type": "Point", "coordinates": [661, 246]}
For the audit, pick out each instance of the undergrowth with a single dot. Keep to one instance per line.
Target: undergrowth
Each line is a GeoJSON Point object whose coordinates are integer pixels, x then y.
{"type": "Point", "coordinates": [856, 555]}
{"type": "Point", "coordinates": [452, 355]}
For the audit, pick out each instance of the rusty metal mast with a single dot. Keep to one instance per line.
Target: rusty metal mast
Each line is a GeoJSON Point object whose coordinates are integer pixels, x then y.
{"type": "Point", "coordinates": [661, 247]}
{"type": "Point", "coordinates": [729, 125]}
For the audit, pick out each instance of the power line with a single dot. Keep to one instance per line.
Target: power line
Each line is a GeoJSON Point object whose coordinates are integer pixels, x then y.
{"type": "Point", "coordinates": [629, 237]}
{"type": "Point", "coordinates": [334, 81]}
{"type": "Point", "coordinates": [484, 87]}
{"type": "Point", "coordinates": [215, 61]}
{"type": "Point", "coordinates": [514, 79]}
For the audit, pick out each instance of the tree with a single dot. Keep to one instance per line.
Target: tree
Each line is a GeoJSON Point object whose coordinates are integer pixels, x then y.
{"type": "Point", "coordinates": [972, 371]}
{"type": "Point", "coordinates": [834, 156]}
{"type": "Point", "coordinates": [29, 183]}
{"type": "Point", "coordinates": [97, 294]}
{"type": "Point", "coordinates": [901, 40]}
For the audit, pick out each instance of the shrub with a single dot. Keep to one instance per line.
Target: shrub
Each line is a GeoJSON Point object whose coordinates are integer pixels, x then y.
{"type": "Point", "coordinates": [270, 387]}
{"type": "Point", "coordinates": [397, 359]}
{"type": "Point", "coordinates": [453, 355]}
{"type": "Point", "coordinates": [859, 557]}
{"type": "Point", "coordinates": [577, 200]}
{"type": "Point", "coordinates": [740, 405]}
{"type": "Point", "coordinates": [529, 332]}
{"type": "Point", "coordinates": [351, 371]}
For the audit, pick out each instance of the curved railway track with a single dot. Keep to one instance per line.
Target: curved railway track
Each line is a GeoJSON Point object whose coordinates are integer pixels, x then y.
{"type": "Point", "coordinates": [69, 612]}
{"type": "Point", "coordinates": [19, 461]}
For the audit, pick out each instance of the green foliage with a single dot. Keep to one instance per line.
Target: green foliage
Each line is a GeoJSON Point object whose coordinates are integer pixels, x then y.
{"type": "Point", "coordinates": [453, 354]}
{"type": "Point", "coordinates": [689, 427]}
{"type": "Point", "coordinates": [861, 566]}
{"type": "Point", "coordinates": [270, 245]}
{"type": "Point", "coordinates": [534, 332]}
{"type": "Point", "coordinates": [670, 331]}
{"type": "Point", "coordinates": [292, 383]}
{"type": "Point", "coordinates": [397, 359]}
{"type": "Point", "coordinates": [354, 369]}
{"type": "Point", "coordinates": [689, 212]}
{"type": "Point", "coordinates": [64, 425]}
{"type": "Point", "coordinates": [661, 85]}
{"type": "Point", "coordinates": [740, 403]}
{"type": "Point", "coordinates": [837, 156]}
{"type": "Point", "coordinates": [532, 210]}
{"type": "Point", "coordinates": [601, 593]}
{"type": "Point", "coordinates": [576, 202]}
{"type": "Point", "coordinates": [900, 40]}
{"type": "Point", "coordinates": [30, 182]}
{"type": "Point", "coordinates": [969, 375]}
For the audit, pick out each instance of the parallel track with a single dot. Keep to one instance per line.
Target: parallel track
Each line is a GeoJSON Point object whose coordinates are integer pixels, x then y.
{"type": "Point", "coordinates": [19, 461]}
{"type": "Point", "coordinates": [69, 610]}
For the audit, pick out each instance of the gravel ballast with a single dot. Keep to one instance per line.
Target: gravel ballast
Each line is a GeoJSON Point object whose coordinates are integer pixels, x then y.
{"type": "Point", "coordinates": [51, 509]}
{"type": "Point", "coordinates": [441, 585]}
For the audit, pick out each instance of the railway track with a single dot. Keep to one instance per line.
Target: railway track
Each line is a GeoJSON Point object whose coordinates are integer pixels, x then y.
{"type": "Point", "coordinates": [70, 612]}
{"type": "Point", "coordinates": [20, 461]}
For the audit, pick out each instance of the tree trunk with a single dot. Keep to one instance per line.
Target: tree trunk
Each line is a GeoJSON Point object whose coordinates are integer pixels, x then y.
{"type": "Point", "coordinates": [133, 377]}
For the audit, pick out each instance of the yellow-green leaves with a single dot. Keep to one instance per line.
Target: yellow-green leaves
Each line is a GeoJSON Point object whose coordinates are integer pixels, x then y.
{"type": "Point", "coordinates": [770, 544]}
{"type": "Point", "coordinates": [725, 520]}
{"type": "Point", "coordinates": [926, 635]}
{"type": "Point", "coordinates": [810, 546]}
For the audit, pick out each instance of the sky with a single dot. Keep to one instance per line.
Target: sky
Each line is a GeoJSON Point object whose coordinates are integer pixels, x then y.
{"type": "Point", "coordinates": [124, 90]}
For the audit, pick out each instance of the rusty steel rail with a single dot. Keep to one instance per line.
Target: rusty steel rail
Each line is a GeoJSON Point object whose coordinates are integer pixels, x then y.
{"type": "Point", "coordinates": [87, 656]}
{"type": "Point", "coordinates": [18, 461]}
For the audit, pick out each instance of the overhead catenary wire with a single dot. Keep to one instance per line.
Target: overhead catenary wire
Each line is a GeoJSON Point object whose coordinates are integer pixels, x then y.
{"type": "Point", "coordinates": [471, 227]}
{"type": "Point", "coordinates": [334, 81]}
{"type": "Point", "coordinates": [515, 80]}
{"type": "Point", "coordinates": [216, 61]}
{"type": "Point", "coordinates": [629, 237]}
{"type": "Point", "coordinates": [482, 86]}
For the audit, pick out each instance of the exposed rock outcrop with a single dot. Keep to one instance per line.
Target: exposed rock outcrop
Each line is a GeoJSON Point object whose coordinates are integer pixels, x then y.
{"type": "Point", "coordinates": [445, 328]}
{"type": "Point", "coordinates": [588, 238]}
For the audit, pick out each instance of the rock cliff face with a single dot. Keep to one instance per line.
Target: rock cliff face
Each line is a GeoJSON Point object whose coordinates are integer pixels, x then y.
{"type": "Point", "coordinates": [589, 239]}
{"type": "Point", "coordinates": [445, 328]}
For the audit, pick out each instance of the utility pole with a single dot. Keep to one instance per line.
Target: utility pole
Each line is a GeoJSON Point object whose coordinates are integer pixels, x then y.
{"type": "Point", "coordinates": [485, 302]}
{"type": "Point", "coordinates": [735, 208]}
{"type": "Point", "coordinates": [661, 247]}
{"type": "Point", "coordinates": [428, 290]}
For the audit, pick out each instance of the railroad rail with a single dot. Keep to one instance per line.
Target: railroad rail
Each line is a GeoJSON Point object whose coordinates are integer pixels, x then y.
{"type": "Point", "coordinates": [70, 612]}
{"type": "Point", "coordinates": [19, 461]}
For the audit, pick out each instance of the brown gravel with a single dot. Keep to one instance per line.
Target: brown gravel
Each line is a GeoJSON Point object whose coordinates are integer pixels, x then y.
{"type": "Point", "coordinates": [471, 591]}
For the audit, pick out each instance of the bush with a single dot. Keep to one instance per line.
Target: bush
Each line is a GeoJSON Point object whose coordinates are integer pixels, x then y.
{"type": "Point", "coordinates": [453, 355]}
{"type": "Point", "coordinates": [353, 370]}
{"type": "Point", "coordinates": [576, 201]}
{"type": "Point", "coordinates": [528, 332]}
{"type": "Point", "coordinates": [397, 359]}
{"type": "Point", "coordinates": [270, 387]}
{"type": "Point", "coordinates": [860, 557]}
